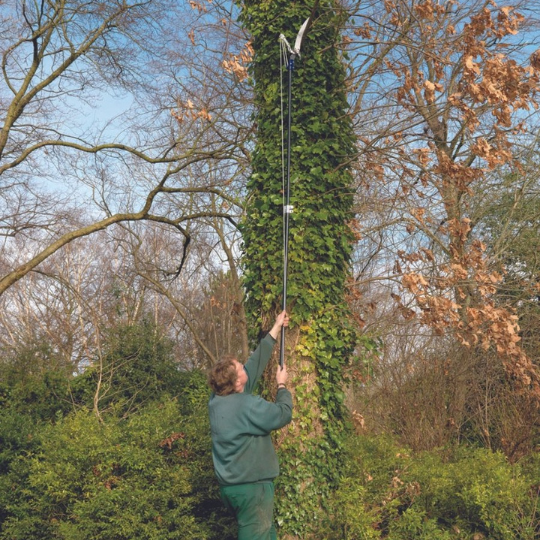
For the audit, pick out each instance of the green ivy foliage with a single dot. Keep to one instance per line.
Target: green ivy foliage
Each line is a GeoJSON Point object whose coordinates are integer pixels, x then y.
{"type": "Point", "coordinates": [322, 146]}
{"type": "Point", "coordinates": [320, 239]}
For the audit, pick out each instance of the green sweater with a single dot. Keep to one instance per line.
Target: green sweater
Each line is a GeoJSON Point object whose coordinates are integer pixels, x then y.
{"type": "Point", "coordinates": [242, 448]}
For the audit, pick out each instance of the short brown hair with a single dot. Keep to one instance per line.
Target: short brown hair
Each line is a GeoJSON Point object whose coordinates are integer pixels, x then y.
{"type": "Point", "coordinates": [222, 377]}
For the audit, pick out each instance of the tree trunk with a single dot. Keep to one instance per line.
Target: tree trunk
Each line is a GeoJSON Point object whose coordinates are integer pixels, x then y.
{"type": "Point", "coordinates": [321, 338]}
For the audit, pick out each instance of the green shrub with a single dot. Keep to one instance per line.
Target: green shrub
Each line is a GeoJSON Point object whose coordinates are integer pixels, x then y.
{"type": "Point", "coordinates": [143, 470]}
{"type": "Point", "coordinates": [137, 367]}
{"type": "Point", "coordinates": [413, 524]}
{"type": "Point", "coordinates": [351, 517]}
{"type": "Point", "coordinates": [478, 490]}
{"type": "Point", "coordinates": [390, 493]}
{"type": "Point", "coordinates": [33, 382]}
{"type": "Point", "coordinates": [130, 480]}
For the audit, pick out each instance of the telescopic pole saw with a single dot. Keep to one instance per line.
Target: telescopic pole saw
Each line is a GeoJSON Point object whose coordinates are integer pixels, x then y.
{"type": "Point", "coordinates": [287, 208]}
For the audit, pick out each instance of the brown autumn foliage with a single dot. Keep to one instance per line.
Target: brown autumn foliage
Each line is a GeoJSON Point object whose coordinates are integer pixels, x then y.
{"type": "Point", "coordinates": [459, 97]}
{"type": "Point", "coordinates": [444, 100]}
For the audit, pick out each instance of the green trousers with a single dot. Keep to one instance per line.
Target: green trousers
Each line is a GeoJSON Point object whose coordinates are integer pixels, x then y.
{"type": "Point", "coordinates": [253, 506]}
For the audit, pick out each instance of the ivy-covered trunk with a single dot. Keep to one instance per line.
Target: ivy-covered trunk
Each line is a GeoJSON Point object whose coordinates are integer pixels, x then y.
{"type": "Point", "coordinates": [320, 340]}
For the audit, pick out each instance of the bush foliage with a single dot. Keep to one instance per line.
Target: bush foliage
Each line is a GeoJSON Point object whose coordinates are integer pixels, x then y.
{"type": "Point", "coordinates": [460, 493]}
{"type": "Point", "coordinates": [67, 473]}
{"type": "Point", "coordinates": [141, 469]}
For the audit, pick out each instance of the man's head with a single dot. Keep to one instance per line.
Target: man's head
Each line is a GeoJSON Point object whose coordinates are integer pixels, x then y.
{"type": "Point", "coordinates": [228, 376]}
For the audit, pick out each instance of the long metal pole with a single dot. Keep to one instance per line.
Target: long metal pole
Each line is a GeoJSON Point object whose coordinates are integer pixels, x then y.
{"type": "Point", "coordinates": [287, 209]}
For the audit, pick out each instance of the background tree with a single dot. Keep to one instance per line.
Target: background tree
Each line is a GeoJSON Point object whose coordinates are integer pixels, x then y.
{"type": "Point", "coordinates": [125, 128]}
{"type": "Point", "coordinates": [59, 58]}
{"type": "Point", "coordinates": [452, 123]}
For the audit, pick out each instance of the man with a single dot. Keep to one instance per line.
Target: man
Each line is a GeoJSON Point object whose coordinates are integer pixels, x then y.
{"type": "Point", "coordinates": [245, 461]}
